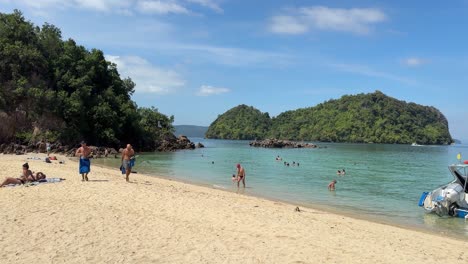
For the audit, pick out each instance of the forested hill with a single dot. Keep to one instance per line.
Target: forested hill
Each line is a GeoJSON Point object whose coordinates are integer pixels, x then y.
{"type": "Point", "coordinates": [240, 122]}
{"type": "Point", "coordinates": [362, 118]}
{"type": "Point", "coordinates": [58, 91]}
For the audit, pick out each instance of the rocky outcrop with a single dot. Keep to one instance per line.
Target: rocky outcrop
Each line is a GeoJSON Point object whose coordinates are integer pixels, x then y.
{"type": "Point", "coordinates": [277, 143]}
{"type": "Point", "coordinates": [170, 143]}
{"type": "Point", "coordinates": [175, 143]}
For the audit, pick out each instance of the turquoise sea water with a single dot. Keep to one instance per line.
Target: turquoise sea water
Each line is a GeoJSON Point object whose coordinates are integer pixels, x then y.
{"type": "Point", "coordinates": [383, 182]}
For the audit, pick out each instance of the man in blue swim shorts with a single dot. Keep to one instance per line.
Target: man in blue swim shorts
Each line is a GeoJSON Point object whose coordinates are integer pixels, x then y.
{"type": "Point", "coordinates": [85, 164]}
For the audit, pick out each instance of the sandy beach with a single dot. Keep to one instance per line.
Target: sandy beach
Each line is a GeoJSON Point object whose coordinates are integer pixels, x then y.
{"type": "Point", "coordinates": [153, 220]}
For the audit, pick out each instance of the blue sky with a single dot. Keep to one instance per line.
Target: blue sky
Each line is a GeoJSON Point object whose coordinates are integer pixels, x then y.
{"type": "Point", "coordinates": [195, 59]}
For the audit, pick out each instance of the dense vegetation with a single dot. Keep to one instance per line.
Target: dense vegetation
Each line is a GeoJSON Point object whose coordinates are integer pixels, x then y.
{"type": "Point", "coordinates": [241, 122]}
{"type": "Point", "coordinates": [362, 118]}
{"type": "Point", "coordinates": [55, 90]}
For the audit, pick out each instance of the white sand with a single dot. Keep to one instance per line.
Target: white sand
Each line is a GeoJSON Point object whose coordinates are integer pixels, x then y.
{"type": "Point", "coordinates": [154, 220]}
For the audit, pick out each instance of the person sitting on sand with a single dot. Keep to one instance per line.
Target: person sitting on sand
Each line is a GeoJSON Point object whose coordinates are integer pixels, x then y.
{"type": "Point", "coordinates": [26, 176]}
{"type": "Point", "coordinates": [240, 174]}
{"type": "Point", "coordinates": [331, 186]}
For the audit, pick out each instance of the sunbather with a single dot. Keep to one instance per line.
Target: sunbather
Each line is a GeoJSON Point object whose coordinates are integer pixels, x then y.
{"type": "Point", "coordinates": [26, 176]}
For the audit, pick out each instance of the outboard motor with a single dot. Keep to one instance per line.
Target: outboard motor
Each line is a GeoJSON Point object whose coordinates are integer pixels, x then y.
{"type": "Point", "coordinates": [445, 199]}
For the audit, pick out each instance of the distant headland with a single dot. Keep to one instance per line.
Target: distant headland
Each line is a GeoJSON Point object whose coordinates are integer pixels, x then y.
{"type": "Point", "coordinates": [362, 118]}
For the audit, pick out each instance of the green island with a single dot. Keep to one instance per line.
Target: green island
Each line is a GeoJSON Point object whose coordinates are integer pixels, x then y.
{"type": "Point", "coordinates": [362, 118]}
{"type": "Point", "coordinates": [55, 90]}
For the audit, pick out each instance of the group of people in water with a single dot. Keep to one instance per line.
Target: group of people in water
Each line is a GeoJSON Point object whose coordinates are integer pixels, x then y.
{"type": "Point", "coordinates": [287, 164]}
{"type": "Point", "coordinates": [331, 185]}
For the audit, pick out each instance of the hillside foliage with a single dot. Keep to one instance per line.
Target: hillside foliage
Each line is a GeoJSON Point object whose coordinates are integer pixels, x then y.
{"type": "Point", "coordinates": [241, 122]}
{"type": "Point", "coordinates": [56, 90]}
{"type": "Point", "coordinates": [362, 118]}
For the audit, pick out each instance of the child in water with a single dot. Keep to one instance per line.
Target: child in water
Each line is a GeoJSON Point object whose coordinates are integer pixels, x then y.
{"type": "Point", "coordinates": [233, 178]}
{"type": "Point", "coordinates": [331, 186]}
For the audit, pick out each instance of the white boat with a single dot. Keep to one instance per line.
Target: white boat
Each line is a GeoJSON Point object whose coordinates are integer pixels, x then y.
{"type": "Point", "coordinates": [416, 145]}
{"type": "Point", "coordinates": [450, 199]}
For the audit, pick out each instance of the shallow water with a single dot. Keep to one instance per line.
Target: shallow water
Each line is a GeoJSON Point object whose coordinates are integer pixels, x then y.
{"type": "Point", "coordinates": [382, 182]}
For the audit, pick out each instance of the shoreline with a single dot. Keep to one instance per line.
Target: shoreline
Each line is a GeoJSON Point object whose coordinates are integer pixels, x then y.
{"type": "Point", "coordinates": [318, 207]}
{"type": "Point", "coordinates": [155, 219]}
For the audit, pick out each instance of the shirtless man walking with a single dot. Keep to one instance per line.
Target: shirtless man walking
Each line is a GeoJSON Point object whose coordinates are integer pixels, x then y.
{"type": "Point", "coordinates": [85, 164]}
{"type": "Point", "coordinates": [127, 155]}
{"type": "Point", "coordinates": [240, 175]}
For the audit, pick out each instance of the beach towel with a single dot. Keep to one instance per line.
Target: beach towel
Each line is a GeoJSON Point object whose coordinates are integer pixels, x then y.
{"type": "Point", "coordinates": [41, 181]}
{"type": "Point", "coordinates": [85, 166]}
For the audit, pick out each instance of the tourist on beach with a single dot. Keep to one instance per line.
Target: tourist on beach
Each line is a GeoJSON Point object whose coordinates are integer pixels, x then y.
{"type": "Point", "coordinates": [106, 153]}
{"type": "Point", "coordinates": [240, 175]}
{"type": "Point", "coordinates": [127, 156]}
{"type": "Point", "coordinates": [39, 176]}
{"type": "Point", "coordinates": [85, 164]}
{"type": "Point", "coordinates": [26, 176]}
{"type": "Point", "coordinates": [48, 148]}
{"type": "Point", "coordinates": [331, 186]}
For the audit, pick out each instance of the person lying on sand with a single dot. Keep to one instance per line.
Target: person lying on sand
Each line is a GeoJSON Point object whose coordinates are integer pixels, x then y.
{"type": "Point", "coordinates": [26, 176]}
{"type": "Point", "coordinates": [39, 176]}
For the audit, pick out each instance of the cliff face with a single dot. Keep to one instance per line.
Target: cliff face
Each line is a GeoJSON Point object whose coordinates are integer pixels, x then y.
{"type": "Point", "coordinates": [362, 118]}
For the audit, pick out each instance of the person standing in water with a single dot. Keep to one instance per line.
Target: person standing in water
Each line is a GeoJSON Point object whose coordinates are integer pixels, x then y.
{"type": "Point", "coordinates": [331, 186]}
{"type": "Point", "coordinates": [85, 164]}
{"type": "Point", "coordinates": [127, 155]}
{"type": "Point", "coordinates": [240, 175]}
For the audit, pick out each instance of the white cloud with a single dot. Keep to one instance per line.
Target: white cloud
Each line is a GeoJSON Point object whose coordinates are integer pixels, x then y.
{"type": "Point", "coordinates": [353, 20]}
{"type": "Point", "coordinates": [99, 5]}
{"type": "Point", "coordinates": [206, 90]}
{"type": "Point", "coordinates": [367, 71]}
{"type": "Point", "coordinates": [124, 7]}
{"type": "Point", "coordinates": [231, 56]}
{"type": "Point", "coordinates": [209, 4]}
{"type": "Point", "coordinates": [161, 7]}
{"type": "Point", "coordinates": [148, 78]}
{"type": "Point", "coordinates": [414, 62]}
{"type": "Point", "coordinates": [287, 25]}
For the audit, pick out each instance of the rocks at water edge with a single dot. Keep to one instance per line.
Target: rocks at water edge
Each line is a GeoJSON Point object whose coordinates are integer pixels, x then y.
{"type": "Point", "coordinates": [171, 143]}
{"type": "Point", "coordinates": [278, 143]}
{"type": "Point", "coordinates": [175, 143]}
